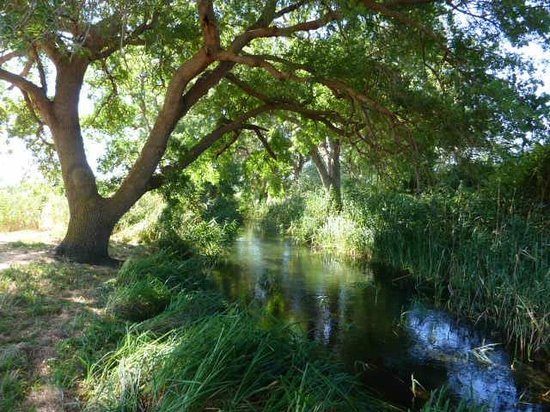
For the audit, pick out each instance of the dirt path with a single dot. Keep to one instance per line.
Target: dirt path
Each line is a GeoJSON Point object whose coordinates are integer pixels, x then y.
{"type": "Point", "coordinates": [27, 246]}
{"type": "Point", "coordinates": [40, 299]}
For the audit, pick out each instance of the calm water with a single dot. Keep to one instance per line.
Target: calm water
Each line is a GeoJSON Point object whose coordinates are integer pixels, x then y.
{"type": "Point", "coordinates": [373, 327]}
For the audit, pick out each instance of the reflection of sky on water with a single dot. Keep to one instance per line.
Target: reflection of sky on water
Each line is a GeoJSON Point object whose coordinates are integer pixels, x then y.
{"type": "Point", "coordinates": [437, 338]}
{"type": "Point", "coordinates": [347, 308]}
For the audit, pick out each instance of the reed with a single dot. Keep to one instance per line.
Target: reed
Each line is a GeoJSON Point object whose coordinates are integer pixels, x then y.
{"type": "Point", "coordinates": [479, 257]}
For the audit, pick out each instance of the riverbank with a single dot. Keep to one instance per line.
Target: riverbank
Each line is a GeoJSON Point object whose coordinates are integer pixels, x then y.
{"type": "Point", "coordinates": [481, 255]}
{"type": "Point", "coordinates": [79, 337]}
{"type": "Point", "coordinates": [154, 336]}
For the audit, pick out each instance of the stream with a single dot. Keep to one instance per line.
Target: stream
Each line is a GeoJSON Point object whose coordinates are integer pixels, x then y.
{"type": "Point", "coordinates": [397, 344]}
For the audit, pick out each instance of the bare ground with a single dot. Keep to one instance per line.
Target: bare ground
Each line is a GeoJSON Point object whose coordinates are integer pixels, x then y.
{"type": "Point", "coordinates": [26, 246]}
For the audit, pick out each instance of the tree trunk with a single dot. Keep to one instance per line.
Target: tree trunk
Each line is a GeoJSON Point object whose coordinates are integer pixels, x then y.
{"type": "Point", "coordinates": [91, 224]}
{"type": "Point", "coordinates": [92, 218]}
{"type": "Point", "coordinates": [335, 174]}
{"type": "Point", "coordinates": [328, 167]}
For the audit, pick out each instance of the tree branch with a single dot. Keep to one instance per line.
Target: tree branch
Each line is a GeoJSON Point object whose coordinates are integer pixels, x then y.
{"type": "Point", "coordinates": [258, 131]}
{"type": "Point", "coordinates": [206, 142]}
{"type": "Point", "coordinates": [274, 31]}
{"type": "Point", "coordinates": [290, 8]}
{"type": "Point", "coordinates": [35, 93]}
{"type": "Point", "coordinates": [288, 105]}
{"type": "Point", "coordinates": [210, 31]}
{"type": "Point", "coordinates": [9, 56]}
{"type": "Point", "coordinates": [336, 86]}
{"type": "Point", "coordinates": [401, 3]}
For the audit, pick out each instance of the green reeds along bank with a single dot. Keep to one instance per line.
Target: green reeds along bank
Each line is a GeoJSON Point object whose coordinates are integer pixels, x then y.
{"type": "Point", "coordinates": [482, 255]}
{"type": "Point", "coordinates": [310, 218]}
{"type": "Point", "coordinates": [478, 256]}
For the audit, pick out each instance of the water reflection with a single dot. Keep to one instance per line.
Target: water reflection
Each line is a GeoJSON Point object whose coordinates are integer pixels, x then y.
{"type": "Point", "coordinates": [478, 370]}
{"type": "Point", "coordinates": [359, 316]}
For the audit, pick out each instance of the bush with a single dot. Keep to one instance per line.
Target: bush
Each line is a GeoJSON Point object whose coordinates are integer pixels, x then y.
{"type": "Point", "coordinates": [139, 223]}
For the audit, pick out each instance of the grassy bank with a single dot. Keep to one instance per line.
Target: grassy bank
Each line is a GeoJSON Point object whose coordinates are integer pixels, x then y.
{"type": "Point", "coordinates": [186, 348]}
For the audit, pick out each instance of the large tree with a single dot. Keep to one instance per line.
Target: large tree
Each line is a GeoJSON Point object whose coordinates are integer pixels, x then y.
{"type": "Point", "coordinates": [386, 73]}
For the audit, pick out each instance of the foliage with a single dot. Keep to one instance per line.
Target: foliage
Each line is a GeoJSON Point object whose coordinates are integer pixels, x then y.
{"type": "Point", "coordinates": [309, 217]}
{"type": "Point", "coordinates": [31, 206]}
{"type": "Point", "coordinates": [478, 256]}
{"type": "Point", "coordinates": [197, 219]}
{"type": "Point", "coordinates": [139, 224]}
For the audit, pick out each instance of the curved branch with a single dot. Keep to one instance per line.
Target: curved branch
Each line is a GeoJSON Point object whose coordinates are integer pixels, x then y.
{"type": "Point", "coordinates": [274, 31]}
{"type": "Point", "coordinates": [35, 93]}
{"type": "Point", "coordinates": [9, 56]}
{"type": "Point", "coordinates": [206, 142]}
{"type": "Point", "coordinates": [288, 105]}
{"type": "Point", "coordinates": [337, 87]}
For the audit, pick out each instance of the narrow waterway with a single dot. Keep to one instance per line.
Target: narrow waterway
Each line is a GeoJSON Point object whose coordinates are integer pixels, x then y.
{"type": "Point", "coordinates": [398, 345]}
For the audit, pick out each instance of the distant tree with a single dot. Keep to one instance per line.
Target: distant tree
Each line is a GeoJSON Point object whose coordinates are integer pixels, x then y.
{"type": "Point", "coordinates": [423, 75]}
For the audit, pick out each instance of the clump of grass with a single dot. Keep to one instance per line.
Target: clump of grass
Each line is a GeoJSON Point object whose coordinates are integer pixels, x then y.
{"type": "Point", "coordinates": [140, 300]}
{"type": "Point", "coordinates": [440, 401]}
{"type": "Point", "coordinates": [93, 337]}
{"type": "Point", "coordinates": [13, 379]}
{"type": "Point", "coordinates": [223, 362]}
{"type": "Point", "coordinates": [311, 218]}
{"type": "Point", "coordinates": [171, 268]}
{"type": "Point", "coordinates": [185, 308]}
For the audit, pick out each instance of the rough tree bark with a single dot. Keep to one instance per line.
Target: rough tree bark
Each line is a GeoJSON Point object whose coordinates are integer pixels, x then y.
{"type": "Point", "coordinates": [91, 217]}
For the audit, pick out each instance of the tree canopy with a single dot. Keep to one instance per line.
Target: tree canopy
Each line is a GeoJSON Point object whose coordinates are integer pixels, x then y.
{"type": "Point", "coordinates": [392, 81]}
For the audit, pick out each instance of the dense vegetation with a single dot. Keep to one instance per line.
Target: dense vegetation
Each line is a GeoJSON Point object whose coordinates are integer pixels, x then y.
{"type": "Point", "coordinates": [478, 248]}
{"type": "Point", "coordinates": [405, 132]}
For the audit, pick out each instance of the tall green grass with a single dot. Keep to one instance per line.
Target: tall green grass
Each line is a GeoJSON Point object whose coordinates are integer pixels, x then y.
{"type": "Point", "coordinates": [196, 351]}
{"type": "Point", "coordinates": [32, 207]}
{"type": "Point", "coordinates": [478, 256]}
{"type": "Point", "coordinates": [311, 218]}
{"type": "Point", "coordinates": [222, 362]}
